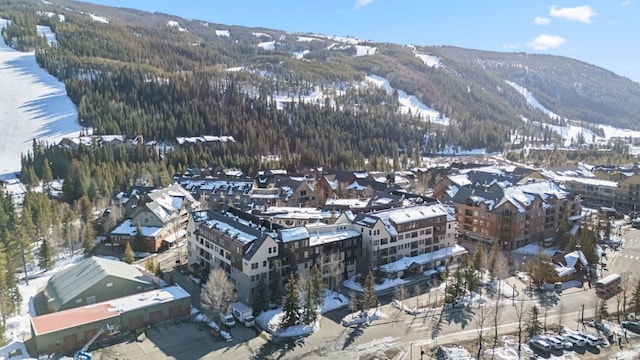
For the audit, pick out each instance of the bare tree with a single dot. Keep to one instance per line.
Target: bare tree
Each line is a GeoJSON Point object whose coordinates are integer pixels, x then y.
{"type": "Point", "coordinates": [625, 281]}
{"type": "Point", "coordinates": [496, 319]}
{"type": "Point", "coordinates": [619, 299]}
{"type": "Point", "coordinates": [417, 291]}
{"type": "Point", "coordinates": [218, 293]}
{"type": "Point", "coordinates": [480, 319]}
{"type": "Point", "coordinates": [560, 316]}
{"type": "Point", "coordinates": [400, 293]}
{"type": "Point", "coordinates": [521, 310]}
{"type": "Point", "coordinates": [353, 301]}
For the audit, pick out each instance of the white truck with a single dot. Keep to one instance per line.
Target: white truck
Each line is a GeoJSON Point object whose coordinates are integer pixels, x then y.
{"type": "Point", "coordinates": [227, 319]}
{"type": "Point", "coordinates": [243, 313]}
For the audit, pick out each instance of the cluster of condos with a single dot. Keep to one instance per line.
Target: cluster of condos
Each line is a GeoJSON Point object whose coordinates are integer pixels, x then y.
{"type": "Point", "coordinates": [346, 223]}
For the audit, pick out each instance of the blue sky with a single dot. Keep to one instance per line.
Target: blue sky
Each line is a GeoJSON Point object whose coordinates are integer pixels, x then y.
{"type": "Point", "coordinates": [600, 32]}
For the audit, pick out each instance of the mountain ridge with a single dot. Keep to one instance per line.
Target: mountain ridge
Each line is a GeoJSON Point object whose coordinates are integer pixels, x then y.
{"type": "Point", "coordinates": [468, 86]}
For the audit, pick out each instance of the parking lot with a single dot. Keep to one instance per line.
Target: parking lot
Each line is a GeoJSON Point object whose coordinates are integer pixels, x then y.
{"type": "Point", "coordinates": [186, 340]}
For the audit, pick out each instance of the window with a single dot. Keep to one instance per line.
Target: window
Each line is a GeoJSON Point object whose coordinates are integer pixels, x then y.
{"type": "Point", "coordinates": [270, 249]}
{"type": "Point", "coordinates": [264, 263]}
{"type": "Point", "coordinates": [109, 284]}
{"type": "Point", "coordinates": [306, 254]}
{"type": "Point", "coordinates": [254, 266]}
{"type": "Point", "coordinates": [296, 245]}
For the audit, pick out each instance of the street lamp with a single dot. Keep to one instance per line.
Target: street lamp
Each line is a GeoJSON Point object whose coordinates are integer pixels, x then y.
{"type": "Point", "coordinates": [513, 295]}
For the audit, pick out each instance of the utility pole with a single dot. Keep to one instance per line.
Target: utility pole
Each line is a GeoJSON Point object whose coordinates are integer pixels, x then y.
{"type": "Point", "coordinates": [580, 317]}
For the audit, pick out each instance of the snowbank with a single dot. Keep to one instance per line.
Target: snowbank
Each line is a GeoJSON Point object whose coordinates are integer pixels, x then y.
{"type": "Point", "coordinates": [386, 284]}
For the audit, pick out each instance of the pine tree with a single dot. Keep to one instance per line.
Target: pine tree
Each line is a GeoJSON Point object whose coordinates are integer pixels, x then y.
{"type": "Point", "coordinates": [138, 239]}
{"type": "Point", "coordinates": [319, 286]}
{"type": "Point", "coordinates": [455, 288]}
{"type": "Point", "coordinates": [479, 258]}
{"type": "Point", "coordinates": [369, 297]}
{"type": "Point", "coordinates": [492, 263]}
{"type": "Point", "coordinates": [47, 177]}
{"type": "Point", "coordinates": [470, 276]}
{"type": "Point", "coordinates": [89, 241]}
{"type": "Point", "coordinates": [534, 327]}
{"type": "Point", "coordinates": [150, 264]}
{"type": "Point", "coordinates": [261, 297]}
{"type": "Point", "coordinates": [291, 299]}
{"type": "Point", "coordinates": [128, 256]}
{"type": "Point", "coordinates": [6, 303]}
{"type": "Point", "coordinates": [46, 258]}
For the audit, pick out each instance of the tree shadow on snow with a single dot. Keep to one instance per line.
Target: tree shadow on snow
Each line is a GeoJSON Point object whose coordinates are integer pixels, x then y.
{"type": "Point", "coordinates": [548, 300]}
{"type": "Point", "coordinates": [279, 347]}
{"type": "Point", "coordinates": [461, 315]}
{"type": "Point", "coordinates": [354, 334]}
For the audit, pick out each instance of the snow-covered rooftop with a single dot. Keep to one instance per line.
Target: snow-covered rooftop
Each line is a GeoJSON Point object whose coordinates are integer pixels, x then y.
{"type": "Point", "coordinates": [230, 230]}
{"type": "Point", "coordinates": [422, 259]}
{"type": "Point", "coordinates": [129, 229]}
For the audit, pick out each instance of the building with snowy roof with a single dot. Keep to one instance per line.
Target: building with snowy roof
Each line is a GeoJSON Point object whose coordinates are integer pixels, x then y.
{"type": "Point", "coordinates": [334, 248]}
{"type": "Point", "coordinates": [300, 216]}
{"type": "Point", "coordinates": [389, 236]}
{"type": "Point", "coordinates": [274, 189]}
{"type": "Point", "coordinates": [246, 247]}
{"type": "Point", "coordinates": [241, 244]}
{"type": "Point", "coordinates": [513, 216]}
{"type": "Point", "coordinates": [161, 217]}
{"type": "Point", "coordinates": [94, 280]}
{"type": "Point", "coordinates": [69, 330]}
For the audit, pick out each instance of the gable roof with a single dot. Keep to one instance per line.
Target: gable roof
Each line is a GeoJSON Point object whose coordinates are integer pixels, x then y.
{"type": "Point", "coordinates": [167, 202]}
{"type": "Point", "coordinates": [68, 284]}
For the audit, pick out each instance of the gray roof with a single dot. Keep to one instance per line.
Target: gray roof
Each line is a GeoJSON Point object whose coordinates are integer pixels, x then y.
{"type": "Point", "coordinates": [68, 284]}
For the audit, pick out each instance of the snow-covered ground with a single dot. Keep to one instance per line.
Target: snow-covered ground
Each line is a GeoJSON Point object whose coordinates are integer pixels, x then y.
{"type": "Point", "coordinates": [409, 103]}
{"type": "Point", "coordinates": [271, 319]}
{"type": "Point", "coordinates": [33, 104]}
{"type": "Point", "coordinates": [224, 33]}
{"type": "Point", "coordinates": [386, 284]}
{"type": "Point", "coordinates": [19, 326]}
{"type": "Point", "coordinates": [573, 130]}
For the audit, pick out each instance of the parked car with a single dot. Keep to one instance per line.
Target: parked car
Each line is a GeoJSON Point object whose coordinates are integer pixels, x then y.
{"type": "Point", "coordinates": [540, 345]}
{"type": "Point", "coordinates": [632, 326]}
{"type": "Point", "coordinates": [589, 339]}
{"type": "Point", "coordinates": [575, 339]}
{"type": "Point", "coordinates": [567, 345]}
{"type": "Point", "coordinates": [555, 343]}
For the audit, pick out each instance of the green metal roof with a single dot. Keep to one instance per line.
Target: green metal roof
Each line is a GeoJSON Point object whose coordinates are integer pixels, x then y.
{"type": "Point", "coordinates": [69, 284]}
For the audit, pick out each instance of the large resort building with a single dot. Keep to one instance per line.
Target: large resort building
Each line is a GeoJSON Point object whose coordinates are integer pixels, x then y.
{"type": "Point", "coordinates": [395, 237]}
{"type": "Point", "coordinates": [514, 216]}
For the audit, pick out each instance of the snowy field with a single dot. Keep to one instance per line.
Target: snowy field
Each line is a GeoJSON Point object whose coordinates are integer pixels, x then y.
{"type": "Point", "coordinates": [33, 104]}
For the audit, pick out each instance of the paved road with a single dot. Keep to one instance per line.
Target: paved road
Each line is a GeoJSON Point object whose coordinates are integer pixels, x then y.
{"type": "Point", "coordinates": [400, 335]}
